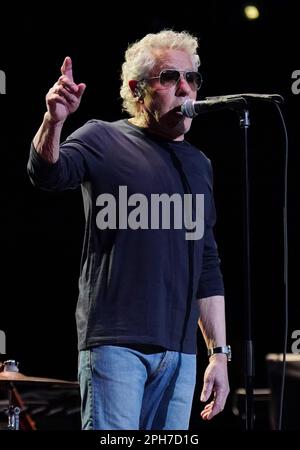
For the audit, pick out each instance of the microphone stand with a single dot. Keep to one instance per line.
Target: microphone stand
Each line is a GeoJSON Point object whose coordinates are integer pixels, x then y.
{"type": "Point", "coordinates": [248, 344]}
{"type": "Point", "coordinates": [240, 105]}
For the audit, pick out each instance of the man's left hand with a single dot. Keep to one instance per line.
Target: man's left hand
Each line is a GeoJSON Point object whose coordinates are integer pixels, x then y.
{"type": "Point", "coordinates": [216, 383]}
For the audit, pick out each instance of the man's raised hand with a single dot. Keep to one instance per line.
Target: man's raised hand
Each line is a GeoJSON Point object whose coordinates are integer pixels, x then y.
{"type": "Point", "coordinates": [64, 97]}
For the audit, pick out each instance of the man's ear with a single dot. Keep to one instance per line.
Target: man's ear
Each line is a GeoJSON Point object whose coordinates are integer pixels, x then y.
{"type": "Point", "coordinates": [133, 86]}
{"type": "Point", "coordinates": [135, 89]}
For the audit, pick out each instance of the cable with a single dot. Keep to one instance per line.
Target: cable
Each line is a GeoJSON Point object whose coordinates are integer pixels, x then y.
{"type": "Point", "coordinates": [285, 264]}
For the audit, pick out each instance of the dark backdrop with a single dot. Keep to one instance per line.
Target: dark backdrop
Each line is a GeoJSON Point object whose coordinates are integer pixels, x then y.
{"type": "Point", "coordinates": [42, 232]}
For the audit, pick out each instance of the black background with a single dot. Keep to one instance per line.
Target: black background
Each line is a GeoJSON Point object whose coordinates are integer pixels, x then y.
{"type": "Point", "coordinates": [42, 232]}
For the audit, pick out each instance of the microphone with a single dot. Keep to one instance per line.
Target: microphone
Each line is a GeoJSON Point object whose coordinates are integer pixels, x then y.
{"type": "Point", "coordinates": [191, 108]}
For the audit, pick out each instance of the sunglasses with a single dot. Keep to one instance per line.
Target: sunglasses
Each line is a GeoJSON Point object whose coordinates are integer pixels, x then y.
{"type": "Point", "coordinates": [170, 77]}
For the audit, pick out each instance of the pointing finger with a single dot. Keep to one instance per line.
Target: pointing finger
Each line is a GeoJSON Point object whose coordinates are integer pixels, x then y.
{"type": "Point", "coordinates": [66, 68]}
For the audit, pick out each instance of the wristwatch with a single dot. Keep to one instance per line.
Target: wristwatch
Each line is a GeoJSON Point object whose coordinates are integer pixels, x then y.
{"type": "Point", "coordinates": [226, 349]}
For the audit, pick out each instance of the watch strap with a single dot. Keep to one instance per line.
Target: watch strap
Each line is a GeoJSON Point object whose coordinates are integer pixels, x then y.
{"type": "Point", "coordinates": [226, 349]}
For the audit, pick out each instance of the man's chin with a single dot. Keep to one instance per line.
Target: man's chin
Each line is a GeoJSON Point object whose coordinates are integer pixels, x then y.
{"type": "Point", "coordinates": [180, 128]}
{"type": "Point", "coordinates": [183, 124]}
{"type": "Point", "coordinates": [175, 123]}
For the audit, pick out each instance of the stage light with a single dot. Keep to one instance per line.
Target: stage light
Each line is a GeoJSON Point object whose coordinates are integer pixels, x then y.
{"type": "Point", "coordinates": [251, 12]}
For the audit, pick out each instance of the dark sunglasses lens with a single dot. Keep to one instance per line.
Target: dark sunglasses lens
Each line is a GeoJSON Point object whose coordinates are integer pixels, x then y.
{"type": "Point", "coordinates": [194, 78]}
{"type": "Point", "coordinates": [168, 77]}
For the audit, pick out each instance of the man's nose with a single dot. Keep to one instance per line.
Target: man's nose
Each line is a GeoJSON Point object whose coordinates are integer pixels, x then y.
{"type": "Point", "coordinates": [182, 86]}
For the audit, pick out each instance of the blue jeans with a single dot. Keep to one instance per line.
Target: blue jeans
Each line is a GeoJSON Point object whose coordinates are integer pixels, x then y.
{"type": "Point", "coordinates": [126, 389]}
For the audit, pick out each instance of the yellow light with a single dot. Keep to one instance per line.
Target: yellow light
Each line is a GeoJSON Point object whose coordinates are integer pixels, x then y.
{"type": "Point", "coordinates": [251, 12]}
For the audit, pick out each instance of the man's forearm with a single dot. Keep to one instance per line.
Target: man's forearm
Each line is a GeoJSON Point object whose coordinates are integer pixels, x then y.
{"type": "Point", "coordinates": [47, 139]}
{"type": "Point", "coordinates": [212, 320]}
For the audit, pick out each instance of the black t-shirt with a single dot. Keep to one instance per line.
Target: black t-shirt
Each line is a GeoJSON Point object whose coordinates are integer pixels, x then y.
{"type": "Point", "coordinates": [139, 285]}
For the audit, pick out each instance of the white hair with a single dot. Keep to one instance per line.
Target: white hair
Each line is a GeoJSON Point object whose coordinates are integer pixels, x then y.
{"type": "Point", "coordinates": [140, 59]}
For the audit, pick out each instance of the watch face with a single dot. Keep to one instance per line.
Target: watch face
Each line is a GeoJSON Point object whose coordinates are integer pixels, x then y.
{"type": "Point", "coordinates": [229, 353]}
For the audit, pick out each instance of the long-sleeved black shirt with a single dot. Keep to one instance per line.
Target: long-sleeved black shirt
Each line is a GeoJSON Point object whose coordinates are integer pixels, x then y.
{"type": "Point", "coordinates": [136, 285]}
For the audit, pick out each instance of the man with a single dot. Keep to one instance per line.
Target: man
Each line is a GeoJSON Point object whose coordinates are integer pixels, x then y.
{"type": "Point", "coordinates": [144, 282]}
